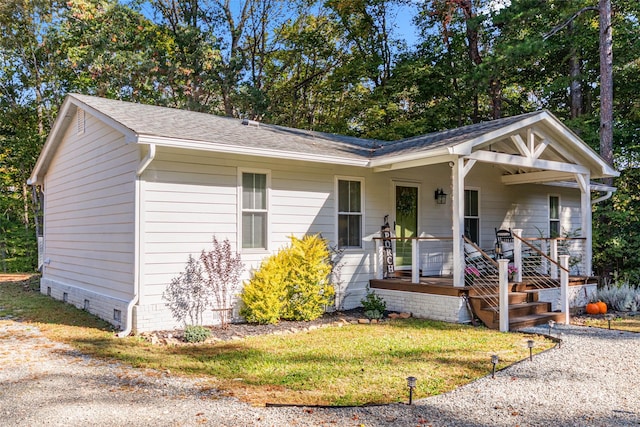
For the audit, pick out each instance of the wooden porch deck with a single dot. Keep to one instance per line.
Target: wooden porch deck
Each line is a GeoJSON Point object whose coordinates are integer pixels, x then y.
{"type": "Point", "coordinates": [443, 285]}
{"type": "Point", "coordinates": [524, 307]}
{"type": "Point", "coordinates": [428, 285]}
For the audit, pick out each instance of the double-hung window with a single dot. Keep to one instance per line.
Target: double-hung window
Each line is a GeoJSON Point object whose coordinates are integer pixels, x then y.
{"type": "Point", "coordinates": [350, 211]}
{"type": "Point", "coordinates": [254, 210]}
{"type": "Point", "coordinates": [554, 216]}
{"type": "Point", "coordinates": [472, 215]}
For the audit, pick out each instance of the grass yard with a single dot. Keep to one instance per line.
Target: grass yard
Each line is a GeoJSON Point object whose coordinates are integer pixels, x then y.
{"type": "Point", "coordinates": [620, 323]}
{"type": "Point", "coordinates": [348, 365]}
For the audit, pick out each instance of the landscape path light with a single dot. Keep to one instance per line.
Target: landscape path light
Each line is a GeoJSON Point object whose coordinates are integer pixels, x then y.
{"type": "Point", "coordinates": [494, 362]}
{"type": "Point", "coordinates": [530, 345]}
{"type": "Point", "coordinates": [552, 324]}
{"type": "Point", "coordinates": [411, 383]}
{"type": "Point", "coordinates": [609, 318]}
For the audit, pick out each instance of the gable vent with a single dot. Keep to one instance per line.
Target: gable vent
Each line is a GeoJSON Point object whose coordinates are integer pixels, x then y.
{"type": "Point", "coordinates": [80, 121]}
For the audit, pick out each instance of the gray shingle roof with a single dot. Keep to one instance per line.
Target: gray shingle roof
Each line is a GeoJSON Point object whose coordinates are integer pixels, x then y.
{"type": "Point", "coordinates": [446, 138]}
{"type": "Point", "coordinates": [166, 122]}
{"type": "Point", "coordinates": [188, 125]}
{"type": "Point", "coordinates": [176, 127]}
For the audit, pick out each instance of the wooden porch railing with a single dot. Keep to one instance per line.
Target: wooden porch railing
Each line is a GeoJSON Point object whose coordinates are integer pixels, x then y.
{"type": "Point", "coordinates": [546, 252]}
{"type": "Point", "coordinates": [437, 250]}
{"type": "Point", "coordinates": [539, 263]}
{"type": "Point", "coordinates": [494, 284]}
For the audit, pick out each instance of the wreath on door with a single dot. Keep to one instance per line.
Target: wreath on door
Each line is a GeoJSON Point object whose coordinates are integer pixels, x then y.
{"type": "Point", "coordinates": [406, 201]}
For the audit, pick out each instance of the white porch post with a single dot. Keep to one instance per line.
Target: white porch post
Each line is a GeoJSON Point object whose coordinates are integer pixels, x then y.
{"type": "Point", "coordinates": [544, 264]}
{"type": "Point", "coordinates": [503, 278]}
{"type": "Point", "coordinates": [458, 172]}
{"type": "Point", "coordinates": [517, 254]}
{"type": "Point", "coordinates": [553, 254]}
{"type": "Point", "coordinates": [564, 288]}
{"type": "Point", "coordinates": [585, 208]}
{"type": "Point", "coordinates": [415, 261]}
{"type": "Point", "coordinates": [378, 257]}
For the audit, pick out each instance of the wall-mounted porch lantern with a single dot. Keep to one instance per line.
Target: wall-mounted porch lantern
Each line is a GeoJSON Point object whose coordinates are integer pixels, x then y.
{"type": "Point", "coordinates": [441, 196]}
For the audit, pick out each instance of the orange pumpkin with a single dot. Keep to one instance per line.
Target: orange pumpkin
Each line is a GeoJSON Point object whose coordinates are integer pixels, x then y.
{"type": "Point", "coordinates": [592, 308]}
{"type": "Point", "coordinates": [602, 307]}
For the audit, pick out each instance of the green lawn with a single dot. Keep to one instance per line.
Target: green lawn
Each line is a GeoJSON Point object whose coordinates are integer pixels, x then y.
{"type": "Point", "coordinates": [631, 324]}
{"type": "Point", "coordinates": [348, 365]}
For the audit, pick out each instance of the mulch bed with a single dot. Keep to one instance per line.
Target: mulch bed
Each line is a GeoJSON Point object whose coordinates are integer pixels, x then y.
{"type": "Point", "coordinates": [232, 331]}
{"type": "Point", "coordinates": [581, 319]}
{"type": "Point", "coordinates": [236, 331]}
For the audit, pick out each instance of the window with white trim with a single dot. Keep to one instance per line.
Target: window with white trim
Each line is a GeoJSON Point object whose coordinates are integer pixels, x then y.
{"type": "Point", "coordinates": [350, 212]}
{"type": "Point", "coordinates": [254, 210]}
{"type": "Point", "coordinates": [554, 216]}
{"type": "Point", "coordinates": [472, 215]}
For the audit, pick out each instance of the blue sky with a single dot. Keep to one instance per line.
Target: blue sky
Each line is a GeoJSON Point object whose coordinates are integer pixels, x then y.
{"type": "Point", "coordinates": [404, 27]}
{"type": "Point", "coordinates": [404, 23]}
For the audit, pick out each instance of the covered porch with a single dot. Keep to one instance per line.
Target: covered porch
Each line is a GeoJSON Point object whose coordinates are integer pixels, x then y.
{"type": "Point", "coordinates": [437, 253]}
{"type": "Point", "coordinates": [541, 282]}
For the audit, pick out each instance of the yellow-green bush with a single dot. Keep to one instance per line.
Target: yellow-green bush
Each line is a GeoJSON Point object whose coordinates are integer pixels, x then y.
{"type": "Point", "coordinates": [263, 297]}
{"type": "Point", "coordinates": [293, 284]}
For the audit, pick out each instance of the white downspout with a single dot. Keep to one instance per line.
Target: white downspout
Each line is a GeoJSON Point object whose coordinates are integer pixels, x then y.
{"type": "Point", "coordinates": [151, 154]}
{"type": "Point", "coordinates": [603, 198]}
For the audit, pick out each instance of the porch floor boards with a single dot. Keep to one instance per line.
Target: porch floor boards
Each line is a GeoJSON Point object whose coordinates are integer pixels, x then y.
{"type": "Point", "coordinates": [428, 285]}
{"type": "Point", "coordinates": [443, 285]}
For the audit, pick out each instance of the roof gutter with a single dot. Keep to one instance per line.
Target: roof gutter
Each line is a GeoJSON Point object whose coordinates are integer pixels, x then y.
{"type": "Point", "coordinates": [603, 198]}
{"type": "Point", "coordinates": [142, 166]}
{"type": "Point", "coordinates": [413, 156]}
{"type": "Point", "coordinates": [253, 151]}
{"type": "Point", "coordinates": [147, 160]}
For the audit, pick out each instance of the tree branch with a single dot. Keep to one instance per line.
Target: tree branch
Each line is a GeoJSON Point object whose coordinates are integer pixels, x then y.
{"type": "Point", "coordinates": [556, 29]}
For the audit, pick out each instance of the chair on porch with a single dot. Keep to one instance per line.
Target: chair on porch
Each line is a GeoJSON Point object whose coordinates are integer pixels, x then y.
{"type": "Point", "coordinates": [471, 254]}
{"type": "Point", "coordinates": [504, 244]}
{"type": "Point", "coordinates": [473, 258]}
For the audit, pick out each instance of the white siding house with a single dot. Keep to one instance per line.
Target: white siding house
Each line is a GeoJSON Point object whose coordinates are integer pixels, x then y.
{"type": "Point", "coordinates": [90, 222]}
{"type": "Point", "coordinates": [132, 190]}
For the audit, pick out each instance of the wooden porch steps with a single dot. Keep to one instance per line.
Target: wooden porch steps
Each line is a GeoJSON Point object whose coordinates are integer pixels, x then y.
{"type": "Point", "coordinates": [525, 309]}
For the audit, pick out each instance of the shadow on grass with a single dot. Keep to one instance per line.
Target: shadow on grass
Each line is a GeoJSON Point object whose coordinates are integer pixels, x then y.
{"type": "Point", "coordinates": [22, 301]}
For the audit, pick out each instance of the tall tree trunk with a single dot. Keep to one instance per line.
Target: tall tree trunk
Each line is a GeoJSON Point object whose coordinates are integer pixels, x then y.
{"type": "Point", "coordinates": [232, 66]}
{"type": "Point", "coordinates": [606, 84]}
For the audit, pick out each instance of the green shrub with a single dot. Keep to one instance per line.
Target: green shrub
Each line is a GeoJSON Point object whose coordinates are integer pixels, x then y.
{"type": "Point", "coordinates": [373, 314]}
{"type": "Point", "coordinates": [263, 297]}
{"type": "Point", "coordinates": [309, 290]}
{"type": "Point", "coordinates": [196, 333]}
{"type": "Point", "coordinates": [293, 284]}
{"type": "Point", "coordinates": [373, 305]}
{"type": "Point", "coordinates": [620, 297]}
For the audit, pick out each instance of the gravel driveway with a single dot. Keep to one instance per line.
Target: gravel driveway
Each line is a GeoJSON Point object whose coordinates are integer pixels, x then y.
{"type": "Point", "coordinates": [591, 380]}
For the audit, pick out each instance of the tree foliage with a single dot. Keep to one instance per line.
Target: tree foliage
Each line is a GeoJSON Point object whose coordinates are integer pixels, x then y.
{"type": "Point", "coordinates": [327, 65]}
{"type": "Point", "coordinates": [616, 230]}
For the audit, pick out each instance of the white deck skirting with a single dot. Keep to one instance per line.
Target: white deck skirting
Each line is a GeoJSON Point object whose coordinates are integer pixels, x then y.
{"type": "Point", "coordinates": [426, 306]}
{"type": "Point", "coordinates": [579, 296]}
